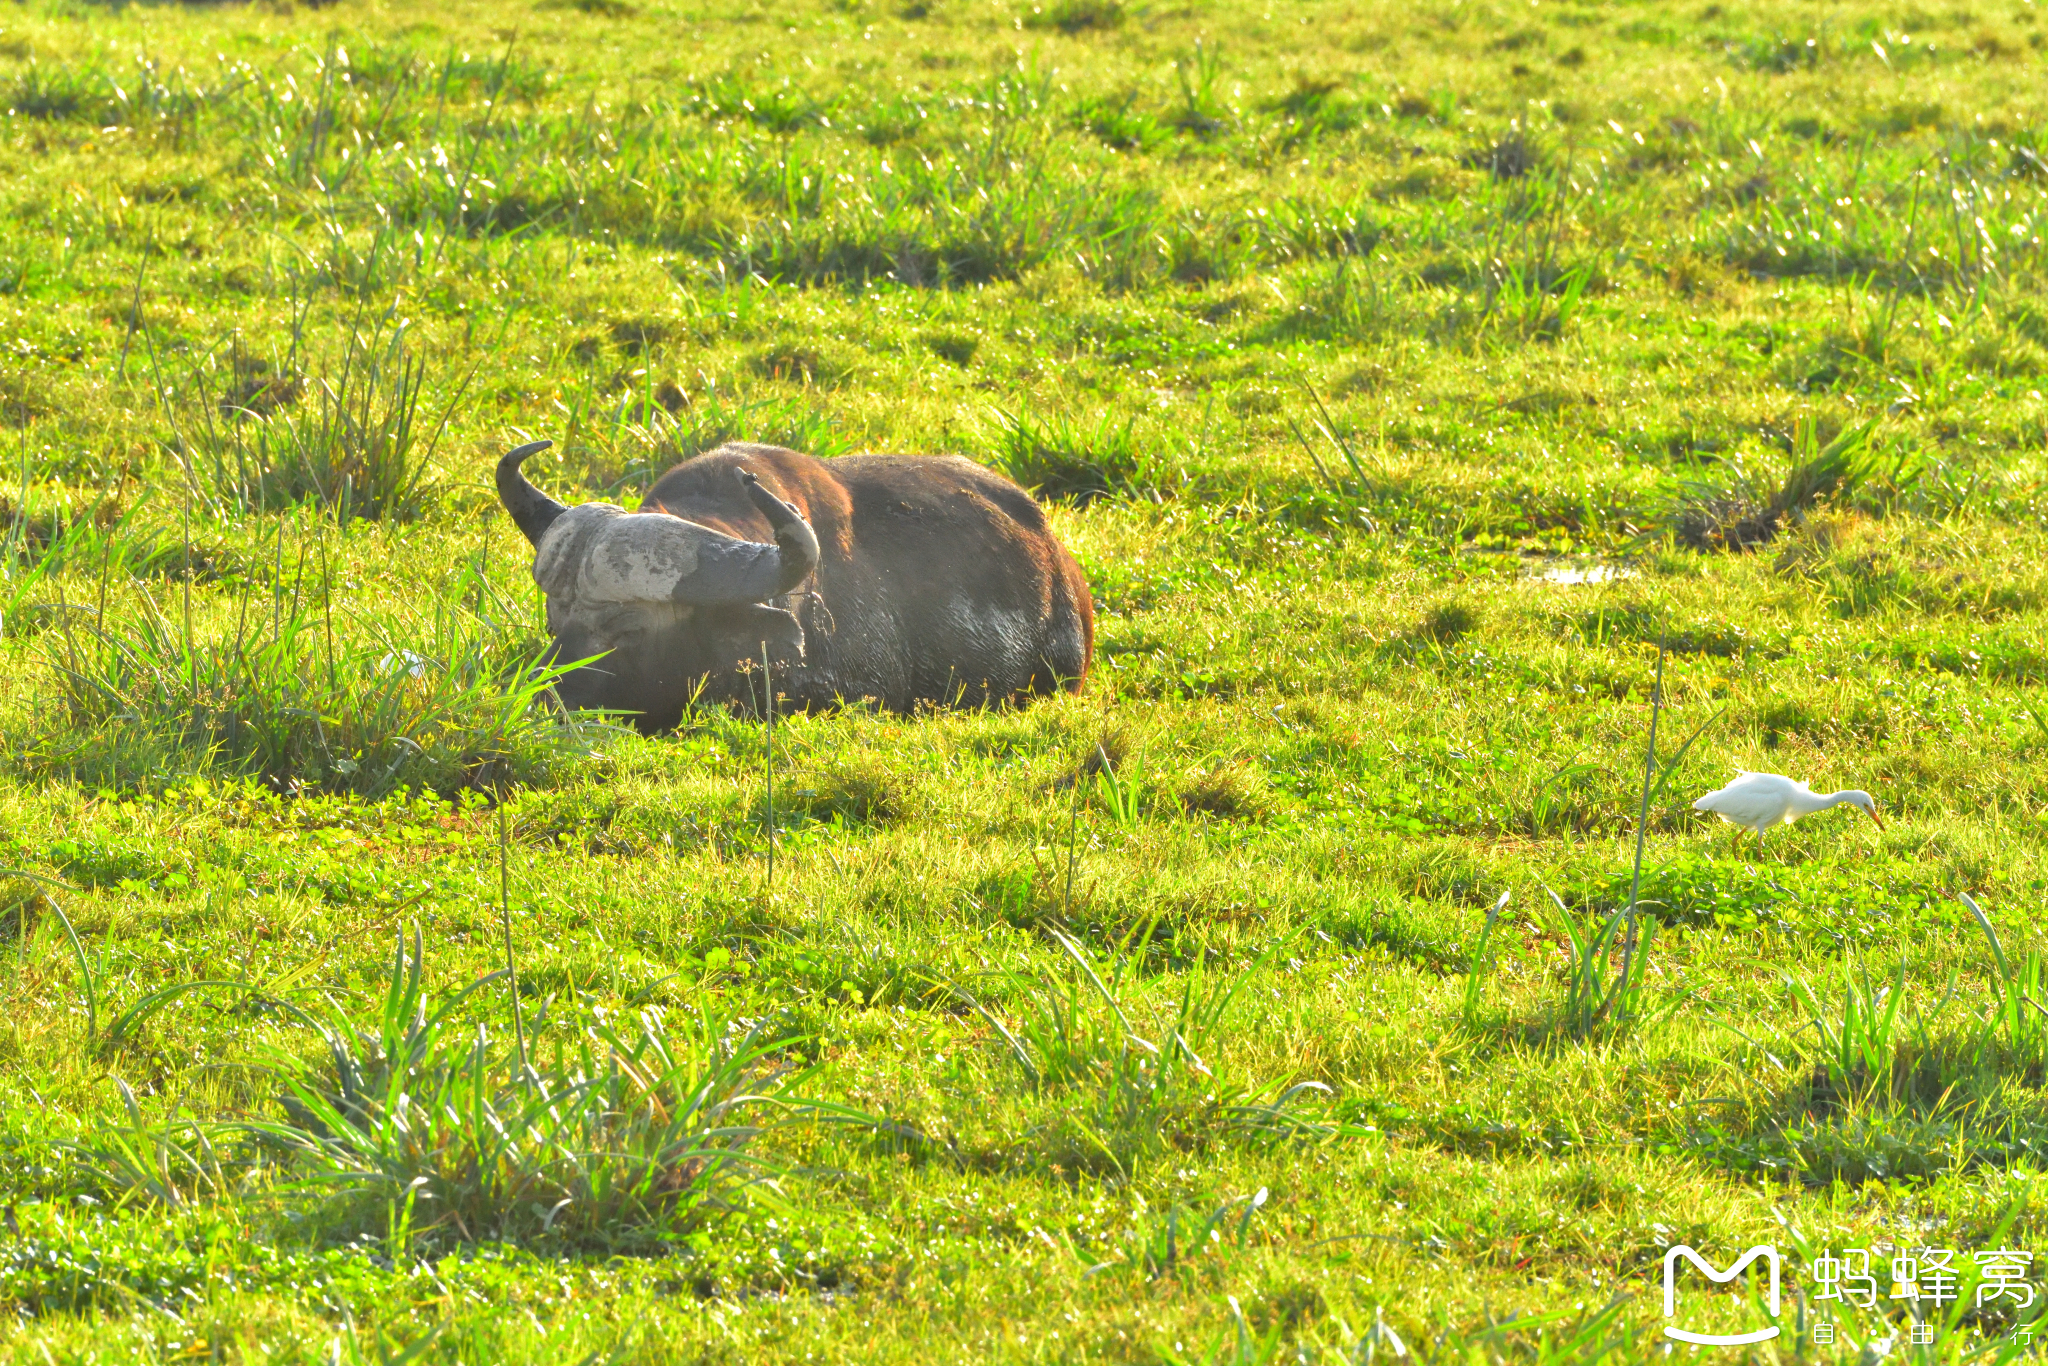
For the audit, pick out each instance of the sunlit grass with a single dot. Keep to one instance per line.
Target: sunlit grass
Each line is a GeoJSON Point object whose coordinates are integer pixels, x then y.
{"type": "Point", "coordinates": [1402, 379]}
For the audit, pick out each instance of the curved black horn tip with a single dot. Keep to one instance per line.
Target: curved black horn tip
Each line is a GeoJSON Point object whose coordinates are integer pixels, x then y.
{"type": "Point", "coordinates": [773, 508]}
{"type": "Point", "coordinates": [532, 511]}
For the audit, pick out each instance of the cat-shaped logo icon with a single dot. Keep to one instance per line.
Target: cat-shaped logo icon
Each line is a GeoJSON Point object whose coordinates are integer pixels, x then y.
{"type": "Point", "coordinates": [1763, 1250]}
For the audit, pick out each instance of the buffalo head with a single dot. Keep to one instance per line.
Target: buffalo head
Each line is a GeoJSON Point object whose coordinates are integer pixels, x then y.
{"type": "Point", "coordinates": [667, 603]}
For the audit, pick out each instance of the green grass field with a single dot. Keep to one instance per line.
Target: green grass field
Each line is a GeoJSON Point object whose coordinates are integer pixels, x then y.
{"type": "Point", "coordinates": [1402, 377]}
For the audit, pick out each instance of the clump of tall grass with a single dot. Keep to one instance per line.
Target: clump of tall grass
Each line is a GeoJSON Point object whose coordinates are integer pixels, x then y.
{"type": "Point", "coordinates": [92, 94]}
{"type": "Point", "coordinates": [1203, 111]}
{"type": "Point", "coordinates": [27, 557]}
{"type": "Point", "coordinates": [1120, 123]}
{"type": "Point", "coordinates": [1743, 512]}
{"type": "Point", "coordinates": [1605, 986]}
{"type": "Point", "coordinates": [354, 441]}
{"type": "Point", "coordinates": [974, 216]}
{"type": "Point", "coordinates": [1161, 1240]}
{"type": "Point", "coordinates": [1533, 301]}
{"type": "Point", "coordinates": [1348, 299]}
{"type": "Point", "coordinates": [111, 544]}
{"type": "Point", "coordinates": [1902, 1094]}
{"type": "Point", "coordinates": [1120, 1099]}
{"type": "Point", "coordinates": [1353, 487]}
{"type": "Point", "coordinates": [628, 1132]}
{"type": "Point", "coordinates": [2016, 1024]}
{"type": "Point", "coordinates": [420, 1129]}
{"type": "Point", "coordinates": [1859, 1041]}
{"type": "Point", "coordinates": [448, 701]}
{"type": "Point", "coordinates": [705, 421]}
{"type": "Point", "coordinates": [1062, 459]}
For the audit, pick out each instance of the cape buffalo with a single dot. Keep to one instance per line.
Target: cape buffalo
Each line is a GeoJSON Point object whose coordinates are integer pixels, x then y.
{"type": "Point", "coordinates": [907, 580]}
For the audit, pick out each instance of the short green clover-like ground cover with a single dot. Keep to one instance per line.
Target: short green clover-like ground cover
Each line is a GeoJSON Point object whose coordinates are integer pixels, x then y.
{"type": "Point", "coordinates": [1408, 381]}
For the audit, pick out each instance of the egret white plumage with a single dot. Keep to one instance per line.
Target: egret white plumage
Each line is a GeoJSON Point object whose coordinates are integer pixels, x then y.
{"type": "Point", "coordinates": [1758, 801]}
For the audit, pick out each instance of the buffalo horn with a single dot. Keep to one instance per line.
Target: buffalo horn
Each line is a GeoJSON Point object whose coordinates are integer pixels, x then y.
{"type": "Point", "coordinates": [732, 570]}
{"type": "Point", "coordinates": [533, 512]}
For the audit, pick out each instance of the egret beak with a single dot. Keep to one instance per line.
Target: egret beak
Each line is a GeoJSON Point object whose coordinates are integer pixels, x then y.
{"type": "Point", "coordinates": [1874, 816]}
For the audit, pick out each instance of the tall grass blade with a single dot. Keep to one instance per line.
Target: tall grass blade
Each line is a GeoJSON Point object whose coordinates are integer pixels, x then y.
{"type": "Point", "coordinates": [505, 914]}
{"type": "Point", "coordinates": [85, 973]}
{"type": "Point", "coordinates": [768, 758]}
{"type": "Point", "coordinates": [1635, 885]}
{"type": "Point", "coordinates": [1074, 830]}
{"type": "Point", "coordinates": [1990, 934]}
{"type": "Point", "coordinates": [88, 985]}
{"type": "Point", "coordinates": [1480, 961]}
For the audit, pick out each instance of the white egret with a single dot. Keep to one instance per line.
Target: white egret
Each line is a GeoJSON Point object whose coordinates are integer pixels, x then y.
{"type": "Point", "coordinates": [1758, 801]}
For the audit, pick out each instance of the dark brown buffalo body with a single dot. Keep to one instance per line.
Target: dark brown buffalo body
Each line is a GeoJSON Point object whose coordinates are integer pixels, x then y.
{"type": "Point", "coordinates": [906, 580]}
